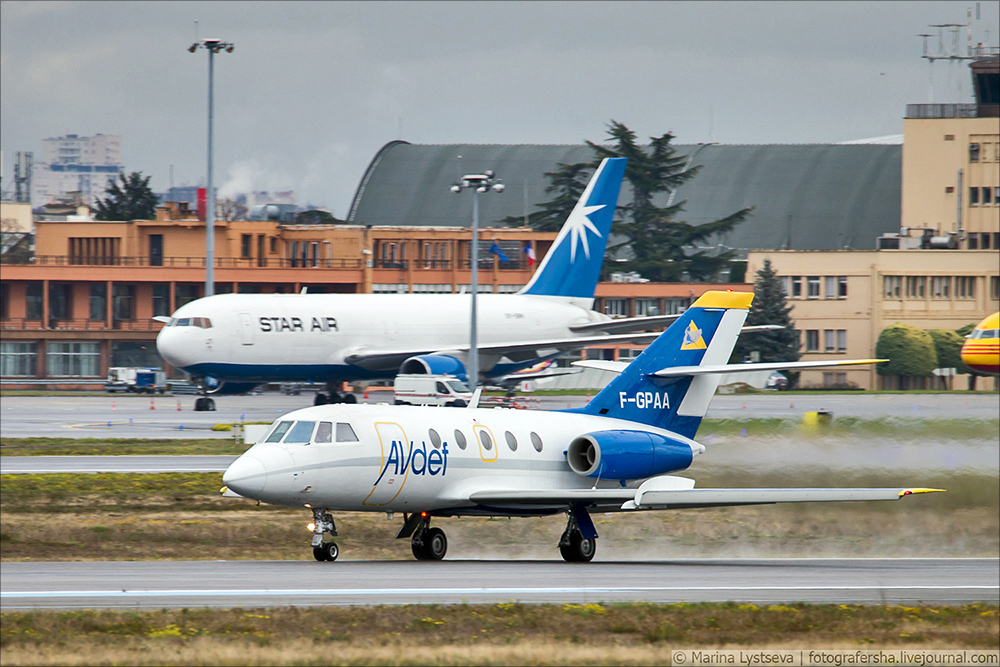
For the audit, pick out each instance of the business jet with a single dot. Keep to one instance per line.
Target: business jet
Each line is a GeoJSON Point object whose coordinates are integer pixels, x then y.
{"type": "Point", "coordinates": [617, 453]}
{"type": "Point", "coordinates": [981, 350]}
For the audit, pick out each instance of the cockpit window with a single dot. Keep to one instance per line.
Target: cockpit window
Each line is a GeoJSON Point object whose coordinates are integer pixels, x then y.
{"type": "Point", "coordinates": [279, 431]}
{"type": "Point", "coordinates": [345, 433]}
{"type": "Point", "coordinates": [324, 433]}
{"type": "Point", "coordinates": [200, 322]}
{"type": "Point", "coordinates": [182, 322]}
{"type": "Point", "coordinates": [300, 433]}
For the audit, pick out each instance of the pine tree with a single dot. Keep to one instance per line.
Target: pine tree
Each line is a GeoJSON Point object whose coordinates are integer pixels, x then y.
{"type": "Point", "coordinates": [769, 307]}
{"type": "Point", "coordinates": [132, 200]}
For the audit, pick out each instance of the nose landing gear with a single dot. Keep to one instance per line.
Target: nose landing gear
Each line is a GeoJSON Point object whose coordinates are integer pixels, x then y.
{"type": "Point", "coordinates": [323, 523]}
{"type": "Point", "coordinates": [203, 403]}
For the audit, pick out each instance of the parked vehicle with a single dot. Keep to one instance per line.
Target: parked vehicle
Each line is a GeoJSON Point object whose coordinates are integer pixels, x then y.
{"type": "Point", "coordinates": [418, 389]}
{"type": "Point", "coordinates": [136, 380]}
{"type": "Point", "coordinates": [776, 381]}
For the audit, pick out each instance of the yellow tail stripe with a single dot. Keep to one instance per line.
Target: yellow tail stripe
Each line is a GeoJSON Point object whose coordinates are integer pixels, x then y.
{"type": "Point", "coordinates": [717, 299]}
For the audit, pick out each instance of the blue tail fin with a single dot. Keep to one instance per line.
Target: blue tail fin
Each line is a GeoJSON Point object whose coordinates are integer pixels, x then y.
{"type": "Point", "coordinates": [703, 336]}
{"type": "Point", "coordinates": [573, 264]}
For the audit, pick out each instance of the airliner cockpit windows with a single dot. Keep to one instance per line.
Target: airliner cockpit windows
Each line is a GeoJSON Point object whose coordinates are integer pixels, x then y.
{"type": "Point", "coordinates": [200, 322]}
{"type": "Point", "coordinates": [324, 433]}
{"type": "Point", "coordinates": [345, 433]}
{"type": "Point", "coordinates": [300, 434]}
{"type": "Point", "coordinates": [279, 432]}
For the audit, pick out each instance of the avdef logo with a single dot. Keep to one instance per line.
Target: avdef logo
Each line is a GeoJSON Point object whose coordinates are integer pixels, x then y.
{"type": "Point", "coordinates": [644, 400]}
{"type": "Point", "coordinates": [419, 461]}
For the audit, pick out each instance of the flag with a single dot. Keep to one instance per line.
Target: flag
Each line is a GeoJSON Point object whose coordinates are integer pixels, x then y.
{"type": "Point", "coordinates": [496, 250]}
{"type": "Point", "coordinates": [529, 250]}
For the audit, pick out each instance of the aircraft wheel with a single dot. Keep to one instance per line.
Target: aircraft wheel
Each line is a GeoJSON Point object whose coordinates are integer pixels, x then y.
{"type": "Point", "coordinates": [350, 398]}
{"type": "Point", "coordinates": [319, 553]}
{"type": "Point", "coordinates": [419, 549]}
{"type": "Point", "coordinates": [578, 549]}
{"type": "Point", "coordinates": [210, 404]}
{"type": "Point", "coordinates": [320, 399]}
{"type": "Point", "coordinates": [199, 404]}
{"type": "Point", "coordinates": [328, 551]}
{"type": "Point", "coordinates": [458, 403]}
{"type": "Point", "coordinates": [435, 544]}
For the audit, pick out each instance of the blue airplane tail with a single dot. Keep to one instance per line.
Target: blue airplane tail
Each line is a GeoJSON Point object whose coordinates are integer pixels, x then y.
{"type": "Point", "coordinates": [669, 385]}
{"type": "Point", "coordinates": [573, 264]}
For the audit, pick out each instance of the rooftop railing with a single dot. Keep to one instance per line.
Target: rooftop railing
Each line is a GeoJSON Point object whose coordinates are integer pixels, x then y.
{"type": "Point", "coordinates": [77, 324]}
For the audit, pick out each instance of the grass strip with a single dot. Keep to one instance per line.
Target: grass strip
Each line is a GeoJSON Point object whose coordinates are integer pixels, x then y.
{"type": "Point", "coordinates": [118, 446]}
{"type": "Point", "coordinates": [499, 634]}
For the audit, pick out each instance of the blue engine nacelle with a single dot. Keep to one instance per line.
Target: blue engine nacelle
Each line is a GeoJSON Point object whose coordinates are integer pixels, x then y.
{"type": "Point", "coordinates": [433, 364]}
{"type": "Point", "coordinates": [627, 455]}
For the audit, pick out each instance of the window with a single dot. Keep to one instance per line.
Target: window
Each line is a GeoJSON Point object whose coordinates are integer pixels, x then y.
{"type": "Point", "coordinates": [435, 438]}
{"type": "Point", "coordinates": [973, 152]}
{"type": "Point", "coordinates": [616, 307]}
{"type": "Point", "coordinates": [828, 340]}
{"type": "Point", "coordinates": [628, 353]}
{"type": "Point", "coordinates": [536, 441]}
{"type": "Point", "coordinates": [995, 287]}
{"type": "Point", "coordinates": [18, 359]}
{"type": "Point", "coordinates": [812, 340]}
{"type": "Point", "coordinates": [841, 340]}
{"type": "Point", "coordinates": [890, 287]}
{"type": "Point", "coordinates": [301, 433]}
{"type": "Point", "coordinates": [245, 245]}
{"type": "Point", "coordinates": [965, 287]}
{"type": "Point", "coordinates": [830, 287]}
{"type": "Point", "coordinates": [279, 431]}
{"type": "Point", "coordinates": [73, 359]}
{"type": "Point", "coordinates": [984, 240]}
{"type": "Point", "coordinates": [33, 301]}
{"type": "Point", "coordinates": [796, 287]}
{"type": "Point", "coordinates": [123, 302]}
{"type": "Point", "coordinates": [996, 195]}
{"type": "Point", "coordinates": [834, 379]}
{"type": "Point", "coordinates": [4, 301]}
{"type": "Point", "coordinates": [184, 294]}
{"type": "Point", "coordinates": [973, 196]}
{"type": "Point", "coordinates": [841, 287]}
{"type": "Point", "coordinates": [973, 242]}
{"type": "Point", "coordinates": [916, 287]}
{"type": "Point", "coordinates": [345, 433]}
{"type": "Point", "coordinates": [484, 438]}
{"type": "Point", "coordinates": [941, 287]}
{"type": "Point", "coordinates": [460, 439]}
{"type": "Point", "coordinates": [646, 307]}
{"type": "Point", "coordinates": [60, 300]}
{"type": "Point", "coordinates": [324, 432]}
{"type": "Point", "coordinates": [99, 302]}
{"type": "Point", "coordinates": [161, 300]}
{"type": "Point", "coordinates": [786, 286]}
{"type": "Point", "coordinates": [511, 441]}
{"type": "Point", "coordinates": [987, 196]}
{"type": "Point", "coordinates": [813, 287]}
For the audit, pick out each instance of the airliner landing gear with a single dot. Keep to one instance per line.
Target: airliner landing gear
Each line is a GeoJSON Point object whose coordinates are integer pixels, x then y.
{"type": "Point", "coordinates": [578, 543]}
{"type": "Point", "coordinates": [323, 523]}
{"type": "Point", "coordinates": [203, 403]}
{"type": "Point", "coordinates": [333, 396]}
{"type": "Point", "coordinates": [426, 543]}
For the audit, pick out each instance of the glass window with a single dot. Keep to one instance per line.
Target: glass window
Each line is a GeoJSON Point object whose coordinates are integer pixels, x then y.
{"type": "Point", "coordinates": [830, 287]}
{"type": "Point", "coordinates": [916, 287]}
{"type": "Point", "coordinates": [511, 441]}
{"type": "Point", "coordinates": [123, 302]}
{"type": "Point", "coordinates": [435, 438]}
{"type": "Point", "coordinates": [941, 287]}
{"type": "Point", "coordinates": [73, 359]}
{"type": "Point", "coordinates": [785, 285]}
{"type": "Point", "coordinates": [995, 287]}
{"type": "Point", "coordinates": [460, 439]}
{"type": "Point", "coordinates": [965, 287]}
{"type": "Point", "coordinates": [161, 301]}
{"type": "Point", "coordinates": [458, 386]}
{"type": "Point", "coordinates": [813, 284]}
{"type": "Point", "coordinates": [986, 196]}
{"type": "Point", "coordinates": [99, 301]}
{"type": "Point", "coordinates": [536, 441]}
{"type": "Point", "coordinates": [841, 287]}
{"type": "Point", "coordinates": [33, 301]}
{"type": "Point", "coordinates": [18, 359]}
{"type": "Point", "coordinates": [324, 432]}
{"type": "Point", "coordinates": [616, 307]}
{"type": "Point", "coordinates": [796, 287]}
{"type": "Point", "coordinates": [828, 340]}
{"type": "Point", "coordinates": [812, 340]}
{"type": "Point", "coordinates": [973, 152]}
{"type": "Point", "coordinates": [973, 196]}
{"type": "Point", "coordinates": [891, 286]}
{"type": "Point", "coordinates": [345, 433]}
{"type": "Point", "coordinates": [300, 433]}
{"type": "Point", "coordinates": [279, 431]}
{"type": "Point", "coordinates": [441, 388]}
{"type": "Point", "coordinates": [841, 340]}
{"type": "Point", "coordinates": [484, 438]}
{"type": "Point", "coordinates": [646, 307]}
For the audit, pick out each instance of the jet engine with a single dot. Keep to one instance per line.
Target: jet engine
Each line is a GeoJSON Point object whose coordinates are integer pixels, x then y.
{"type": "Point", "coordinates": [627, 455]}
{"type": "Point", "coordinates": [433, 364]}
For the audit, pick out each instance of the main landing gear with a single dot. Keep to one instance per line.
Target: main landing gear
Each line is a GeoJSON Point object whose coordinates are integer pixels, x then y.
{"type": "Point", "coordinates": [333, 396]}
{"type": "Point", "coordinates": [426, 543]}
{"type": "Point", "coordinates": [323, 523]}
{"type": "Point", "coordinates": [578, 543]}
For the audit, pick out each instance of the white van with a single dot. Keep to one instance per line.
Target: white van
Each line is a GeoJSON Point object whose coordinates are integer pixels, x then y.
{"type": "Point", "coordinates": [445, 390]}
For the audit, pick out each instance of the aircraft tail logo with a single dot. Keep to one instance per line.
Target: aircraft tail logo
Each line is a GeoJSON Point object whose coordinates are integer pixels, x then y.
{"type": "Point", "coordinates": [703, 336]}
{"type": "Point", "coordinates": [573, 263]}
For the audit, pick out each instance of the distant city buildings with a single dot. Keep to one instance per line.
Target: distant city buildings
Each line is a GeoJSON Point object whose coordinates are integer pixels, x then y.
{"type": "Point", "coordinates": [76, 164]}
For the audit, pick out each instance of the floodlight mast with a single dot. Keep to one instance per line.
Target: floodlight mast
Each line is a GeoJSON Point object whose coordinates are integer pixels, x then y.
{"type": "Point", "coordinates": [213, 46]}
{"type": "Point", "coordinates": [479, 184]}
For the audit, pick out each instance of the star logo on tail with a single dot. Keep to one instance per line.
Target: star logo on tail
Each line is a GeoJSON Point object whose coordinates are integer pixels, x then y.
{"type": "Point", "coordinates": [578, 224]}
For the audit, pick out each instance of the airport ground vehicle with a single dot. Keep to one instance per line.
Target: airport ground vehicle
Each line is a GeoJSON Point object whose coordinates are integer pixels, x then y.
{"type": "Point", "coordinates": [419, 389]}
{"type": "Point", "coordinates": [141, 380]}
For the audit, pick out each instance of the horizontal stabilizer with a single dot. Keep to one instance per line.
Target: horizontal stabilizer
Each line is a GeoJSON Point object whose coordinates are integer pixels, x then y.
{"type": "Point", "coordinates": [685, 371]}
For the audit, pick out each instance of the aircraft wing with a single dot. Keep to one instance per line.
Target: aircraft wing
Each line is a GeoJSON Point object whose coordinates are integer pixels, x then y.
{"type": "Point", "coordinates": [657, 499]}
{"type": "Point", "coordinates": [684, 371]}
{"type": "Point", "coordinates": [626, 324]}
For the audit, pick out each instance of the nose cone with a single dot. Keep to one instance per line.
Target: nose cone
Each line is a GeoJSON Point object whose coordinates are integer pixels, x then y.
{"type": "Point", "coordinates": [245, 476]}
{"type": "Point", "coordinates": [170, 348]}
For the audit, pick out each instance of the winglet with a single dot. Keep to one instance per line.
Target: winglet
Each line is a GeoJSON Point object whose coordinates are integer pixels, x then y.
{"type": "Point", "coordinates": [474, 401]}
{"type": "Point", "coordinates": [910, 492]}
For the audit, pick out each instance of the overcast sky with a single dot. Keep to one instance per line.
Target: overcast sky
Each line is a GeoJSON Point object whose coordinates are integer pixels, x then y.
{"type": "Point", "coordinates": [313, 89]}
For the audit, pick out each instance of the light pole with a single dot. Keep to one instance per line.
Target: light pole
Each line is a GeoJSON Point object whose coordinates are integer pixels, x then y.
{"type": "Point", "coordinates": [479, 183]}
{"type": "Point", "coordinates": [213, 46]}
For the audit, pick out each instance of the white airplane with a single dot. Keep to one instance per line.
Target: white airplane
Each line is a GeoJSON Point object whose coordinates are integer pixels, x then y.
{"type": "Point", "coordinates": [614, 454]}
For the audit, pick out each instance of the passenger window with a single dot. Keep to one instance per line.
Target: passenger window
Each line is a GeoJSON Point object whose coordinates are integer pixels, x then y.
{"type": "Point", "coordinates": [279, 431]}
{"type": "Point", "coordinates": [511, 441]}
{"type": "Point", "coordinates": [536, 442]}
{"type": "Point", "coordinates": [300, 433]}
{"type": "Point", "coordinates": [460, 439]}
{"type": "Point", "coordinates": [484, 438]}
{"type": "Point", "coordinates": [345, 433]}
{"type": "Point", "coordinates": [325, 432]}
{"type": "Point", "coordinates": [435, 438]}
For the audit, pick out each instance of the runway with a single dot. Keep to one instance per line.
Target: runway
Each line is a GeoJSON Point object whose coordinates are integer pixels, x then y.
{"type": "Point", "coordinates": [93, 464]}
{"type": "Point", "coordinates": [159, 584]}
